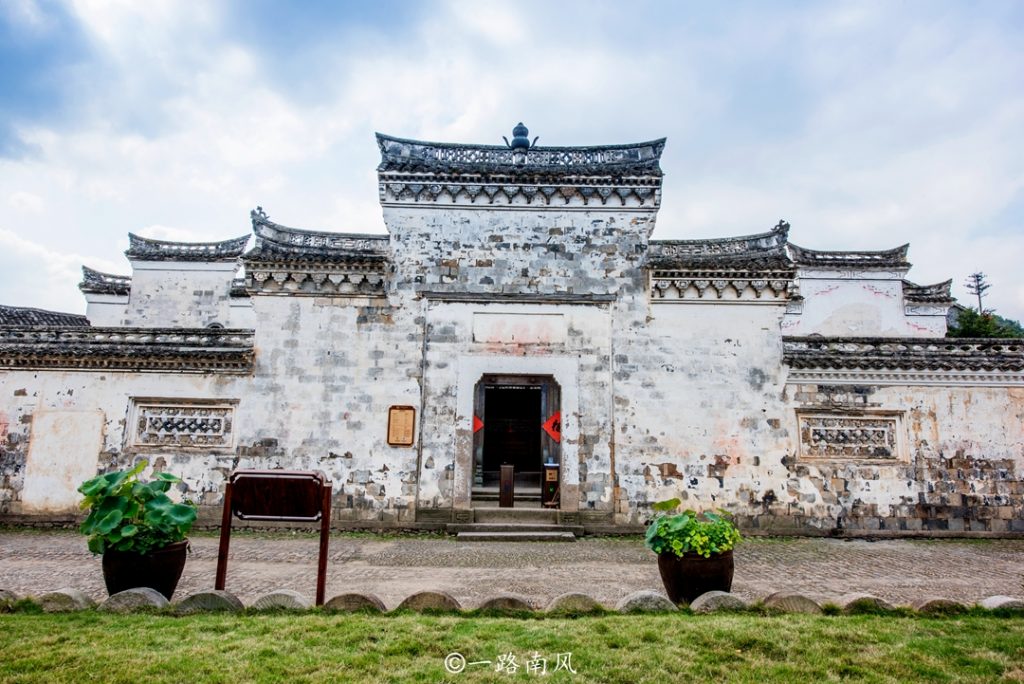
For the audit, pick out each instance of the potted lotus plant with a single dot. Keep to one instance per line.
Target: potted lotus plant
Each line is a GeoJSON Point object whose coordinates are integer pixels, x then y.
{"type": "Point", "coordinates": [139, 530]}
{"type": "Point", "coordinates": [694, 550]}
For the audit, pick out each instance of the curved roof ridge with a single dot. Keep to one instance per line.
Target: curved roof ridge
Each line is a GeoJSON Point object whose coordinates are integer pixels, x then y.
{"type": "Point", "coordinates": [263, 227]}
{"type": "Point", "coordinates": [422, 156]}
{"type": "Point", "coordinates": [936, 292]}
{"type": "Point", "coordinates": [165, 250]}
{"type": "Point", "coordinates": [885, 258]}
{"type": "Point", "coordinates": [776, 237]}
{"type": "Point", "coordinates": [760, 250]}
{"type": "Point", "coordinates": [503, 148]}
{"type": "Point", "coordinates": [104, 283]}
{"type": "Point", "coordinates": [277, 241]}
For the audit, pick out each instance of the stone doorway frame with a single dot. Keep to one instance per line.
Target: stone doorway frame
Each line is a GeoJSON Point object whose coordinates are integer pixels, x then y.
{"type": "Point", "coordinates": [549, 403]}
{"type": "Point", "coordinates": [564, 370]}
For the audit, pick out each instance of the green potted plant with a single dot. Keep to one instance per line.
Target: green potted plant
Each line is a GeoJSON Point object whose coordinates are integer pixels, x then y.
{"type": "Point", "coordinates": [139, 530]}
{"type": "Point", "coordinates": [694, 550]}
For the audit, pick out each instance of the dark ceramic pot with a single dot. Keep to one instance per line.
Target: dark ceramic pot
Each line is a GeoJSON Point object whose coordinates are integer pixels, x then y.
{"type": "Point", "coordinates": [688, 576]}
{"type": "Point", "coordinates": [160, 569]}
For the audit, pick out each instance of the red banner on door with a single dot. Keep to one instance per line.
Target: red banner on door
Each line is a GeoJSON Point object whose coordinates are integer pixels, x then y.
{"type": "Point", "coordinates": [477, 424]}
{"type": "Point", "coordinates": [553, 426]}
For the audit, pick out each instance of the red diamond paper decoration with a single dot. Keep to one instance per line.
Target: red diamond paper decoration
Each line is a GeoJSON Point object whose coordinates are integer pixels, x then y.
{"type": "Point", "coordinates": [553, 426]}
{"type": "Point", "coordinates": [477, 424]}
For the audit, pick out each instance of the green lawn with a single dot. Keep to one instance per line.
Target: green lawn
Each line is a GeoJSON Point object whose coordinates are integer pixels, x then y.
{"type": "Point", "coordinates": [91, 646]}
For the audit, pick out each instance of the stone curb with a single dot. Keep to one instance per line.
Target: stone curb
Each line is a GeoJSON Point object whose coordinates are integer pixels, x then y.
{"type": "Point", "coordinates": [1002, 603]}
{"type": "Point", "coordinates": [65, 600]}
{"type": "Point", "coordinates": [716, 601]}
{"type": "Point", "coordinates": [430, 600]}
{"type": "Point", "coordinates": [282, 599]}
{"type": "Point", "coordinates": [507, 603]}
{"type": "Point", "coordinates": [863, 603]}
{"type": "Point", "coordinates": [134, 600]}
{"type": "Point", "coordinates": [7, 600]}
{"type": "Point", "coordinates": [212, 601]}
{"type": "Point", "coordinates": [939, 606]}
{"type": "Point", "coordinates": [573, 603]}
{"type": "Point", "coordinates": [350, 603]}
{"type": "Point", "coordinates": [645, 601]}
{"type": "Point", "coordinates": [792, 602]}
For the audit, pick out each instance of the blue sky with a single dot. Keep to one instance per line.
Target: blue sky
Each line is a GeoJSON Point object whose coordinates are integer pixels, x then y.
{"type": "Point", "coordinates": [866, 125]}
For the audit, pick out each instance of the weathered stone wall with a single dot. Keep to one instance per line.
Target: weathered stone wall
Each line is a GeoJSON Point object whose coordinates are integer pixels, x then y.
{"type": "Point", "coordinates": [956, 463]}
{"type": "Point", "coordinates": [698, 408]}
{"type": "Point", "coordinates": [327, 370]}
{"type": "Point", "coordinates": [183, 295]}
{"type": "Point", "coordinates": [867, 303]}
{"type": "Point", "coordinates": [475, 251]}
{"type": "Point", "coordinates": [583, 270]}
{"type": "Point", "coordinates": [38, 405]}
{"type": "Point", "coordinates": [456, 359]}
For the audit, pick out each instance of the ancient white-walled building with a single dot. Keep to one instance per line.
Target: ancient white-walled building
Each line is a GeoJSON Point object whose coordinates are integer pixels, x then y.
{"type": "Point", "coordinates": [519, 312]}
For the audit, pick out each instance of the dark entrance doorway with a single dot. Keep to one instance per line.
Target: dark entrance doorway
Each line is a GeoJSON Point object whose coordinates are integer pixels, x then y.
{"type": "Point", "coordinates": [512, 433]}
{"type": "Point", "coordinates": [516, 422]}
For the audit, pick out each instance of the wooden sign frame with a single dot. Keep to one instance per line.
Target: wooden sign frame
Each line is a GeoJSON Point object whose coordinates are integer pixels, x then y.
{"type": "Point", "coordinates": [278, 495]}
{"type": "Point", "coordinates": [401, 426]}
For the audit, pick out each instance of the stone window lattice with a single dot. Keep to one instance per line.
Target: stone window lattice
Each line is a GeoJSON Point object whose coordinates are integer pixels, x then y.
{"type": "Point", "coordinates": [866, 437]}
{"type": "Point", "coordinates": [183, 423]}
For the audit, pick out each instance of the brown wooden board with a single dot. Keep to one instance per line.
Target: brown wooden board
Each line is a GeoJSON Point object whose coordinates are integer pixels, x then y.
{"type": "Point", "coordinates": [401, 426]}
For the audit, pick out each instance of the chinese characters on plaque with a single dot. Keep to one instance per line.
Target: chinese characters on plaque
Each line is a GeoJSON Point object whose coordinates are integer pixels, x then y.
{"type": "Point", "coordinates": [401, 426]}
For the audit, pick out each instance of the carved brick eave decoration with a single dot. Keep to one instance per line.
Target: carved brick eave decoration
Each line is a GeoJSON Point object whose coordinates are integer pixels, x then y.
{"type": "Point", "coordinates": [859, 437]}
{"type": "Point", "coordinates": [749, 268]}
{"type": "Point", "coordinates": [889, 259]}
{"type": "Point", "coordinates": [744, 286]}
{"type": "Point", "coordinates": [413, 171]}
{"type": "Point", "coordinates": [289, 261]}
{"type": "Point", "coordinates": [182, 350]}
{"type": "Point", "coordinates": [159, 423]}
{"type": "Point", "coordinates": [895, 361]}
{"type": "Point", "coordinates": [418, 156]}
{"type": "Point", "coordinates": [104, 283]}
{"type": "Point", "coordinates": [147, 249]}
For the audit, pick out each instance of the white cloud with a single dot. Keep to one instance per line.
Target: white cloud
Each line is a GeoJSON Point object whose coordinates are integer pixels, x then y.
{"type": "Point", "coordinates": [896, 124]}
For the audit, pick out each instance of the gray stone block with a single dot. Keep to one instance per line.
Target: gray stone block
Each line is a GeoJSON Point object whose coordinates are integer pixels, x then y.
{"type": "Point", "coordinates": [210, 601]}
{"type": "Point", "coordinates": [791, 602]}
{"type": "Point", "coordinates": [1002, 603]}
{"type": "Point", "coordinates": [939, 606]}
{"type": "Point", "coordinates": [132, 600]}
{"type": "Point", "coordinates": [859, 603]}
{"type": "Point", "coordinates": [574, 602]}
{"type": "Point", "coordinates": [64, 601]}
{"type": "Point", "coordinates": [7, 600]}
{"type": "Point", "coordinates": [714, 601]}
{"type": "Point", "coordinates": [282, 599]}
{"type": "Point", "coordinates": [507, 603]}
{"type": "Point", "coordinates": [350, 603]}
{"type": "Point", "coordinates": [430, 600]}
{"type": "Point", "coordinates": [645, 601]}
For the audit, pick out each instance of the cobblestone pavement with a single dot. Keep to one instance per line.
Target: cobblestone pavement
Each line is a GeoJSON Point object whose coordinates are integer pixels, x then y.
{"type": "Point", "coordinates": [393, 567]}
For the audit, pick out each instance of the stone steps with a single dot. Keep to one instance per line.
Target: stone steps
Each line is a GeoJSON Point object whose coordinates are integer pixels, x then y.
{"type": "Point", "coordinates": [537, 516]}
{"type": "Point", "coordinates": [457, 528]}
{"type": "Point", "coordinates": [552, 536]}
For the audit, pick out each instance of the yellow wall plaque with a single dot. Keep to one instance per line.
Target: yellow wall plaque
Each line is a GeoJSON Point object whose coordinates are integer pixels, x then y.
{"type": "Point", "coordinates": [401, 425]}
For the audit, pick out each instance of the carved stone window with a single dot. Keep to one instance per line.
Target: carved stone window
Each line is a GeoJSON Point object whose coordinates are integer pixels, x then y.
{"type": "Point", "coordinates": [870, 436]}
{"type": "Point", "coordinates": [200, 423]}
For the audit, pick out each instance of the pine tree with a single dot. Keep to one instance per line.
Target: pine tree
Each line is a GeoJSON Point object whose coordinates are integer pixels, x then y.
{"type": "Point", "coordinates": [976, 285]}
